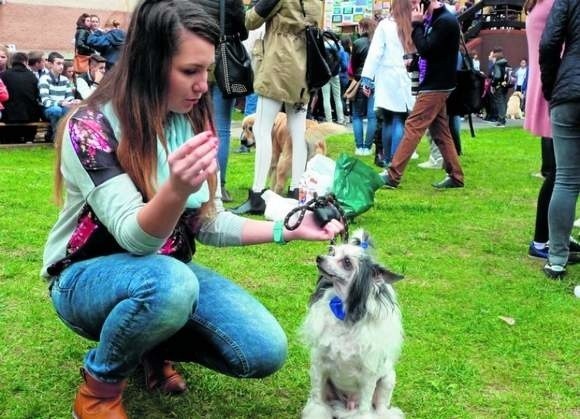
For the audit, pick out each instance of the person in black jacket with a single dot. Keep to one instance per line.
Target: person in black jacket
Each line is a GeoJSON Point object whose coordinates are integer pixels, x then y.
{"type": "Point", "coordinates": [82, 50]}
{"type": "Point", "coordinates": [560, 76]}
{"type": "Point", "coordinates": [437, 42]}
{"type": "Point", "coordinates": [22, 106]}
{"type": "Point", "coordinates": [235, 18]}
{"type": "Point", "coordinates": [499, 75]}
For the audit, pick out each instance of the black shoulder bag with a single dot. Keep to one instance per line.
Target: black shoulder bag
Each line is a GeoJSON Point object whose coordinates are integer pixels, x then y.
{"type": "Point", "coordinates": [318, 72]}
{"type": "Point", "coordinates": [467, 98]}
{"type": "Point", "coordinates": [233, 67]}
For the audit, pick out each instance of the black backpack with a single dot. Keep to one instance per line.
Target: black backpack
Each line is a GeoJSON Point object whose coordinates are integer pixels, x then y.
{"type": "Point", "coordinates": [332, 47]}
{"type": "Point", "coordinates": [319, 64]}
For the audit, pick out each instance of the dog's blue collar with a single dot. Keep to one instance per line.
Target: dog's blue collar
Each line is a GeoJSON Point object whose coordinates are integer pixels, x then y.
{"type": "Point", "coordinates": [337, 308]}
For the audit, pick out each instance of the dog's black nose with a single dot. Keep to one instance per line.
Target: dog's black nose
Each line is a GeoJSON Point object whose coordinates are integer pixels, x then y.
{"type": "Point", "coordinates": [319, 259]}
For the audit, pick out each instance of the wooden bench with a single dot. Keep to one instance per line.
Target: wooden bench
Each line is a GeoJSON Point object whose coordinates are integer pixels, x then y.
{"type": "Point", "coordinates": [41, 128]}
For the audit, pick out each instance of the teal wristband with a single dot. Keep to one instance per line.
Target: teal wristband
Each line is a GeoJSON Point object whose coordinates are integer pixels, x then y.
{"type": "Point", "coordinates": [279, 232]}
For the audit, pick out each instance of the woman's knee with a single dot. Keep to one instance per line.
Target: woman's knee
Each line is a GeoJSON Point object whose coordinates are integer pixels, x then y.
{"type": "Point", "coordinates": [266, 356]}
{"type": "Point", "coordinates": [169, 286]}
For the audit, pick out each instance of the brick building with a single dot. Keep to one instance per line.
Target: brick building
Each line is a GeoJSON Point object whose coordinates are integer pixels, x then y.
{"type": "Point", "coordinates": [49, 25]}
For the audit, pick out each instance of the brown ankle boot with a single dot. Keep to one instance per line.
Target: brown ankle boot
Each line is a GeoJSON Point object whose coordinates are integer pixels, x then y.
{"type": "Point", "coordinates": [161, 375]}
{"type": "Point", "coordinates": [98, 400]}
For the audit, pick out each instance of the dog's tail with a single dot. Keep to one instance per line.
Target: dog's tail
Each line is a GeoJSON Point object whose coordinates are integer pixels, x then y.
{"type": "Point", "coordinates": [325, 130]}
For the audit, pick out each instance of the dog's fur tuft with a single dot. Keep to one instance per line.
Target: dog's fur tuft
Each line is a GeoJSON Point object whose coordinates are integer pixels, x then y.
{"type": "Point", "coordinates": [352, 360]}
{"type": "Point", "coordinates": [281, 164]}
{"type": "Point", "coordinates": [514, 106]}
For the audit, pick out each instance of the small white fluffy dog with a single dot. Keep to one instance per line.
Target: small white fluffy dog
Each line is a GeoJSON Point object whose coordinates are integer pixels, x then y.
{"type": "Point", "coordinates": [514, 106]}
{"type": "Point", "coordinates": [355, 335]}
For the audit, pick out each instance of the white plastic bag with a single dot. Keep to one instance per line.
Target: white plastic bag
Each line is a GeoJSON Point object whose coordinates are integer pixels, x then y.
{"type": "Point", "coordinates": [277, 206]}
{"type": "Point", "coordinates": [318, 178]}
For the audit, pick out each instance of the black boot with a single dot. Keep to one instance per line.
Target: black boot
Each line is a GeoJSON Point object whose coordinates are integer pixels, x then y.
{"type": "Point", "coordinates": [254, 205]}
{"type": "Point", "coordinates": [293, 193]}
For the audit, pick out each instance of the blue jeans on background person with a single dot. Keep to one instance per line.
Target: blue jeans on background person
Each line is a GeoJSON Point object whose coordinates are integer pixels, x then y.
{"type": "Point", "coordinates": [392, 133]}
{"type": "Point", "coordinates": [53, 114]}
{"type": "Point", "coordinates": [139, 305]}
{"type": "Point", "coordinates": [364, 106]}
{"type": "Point", "coordinates": [223, 119]}
{"type": "Point", "coordinates": [566, 137]}
{"type": "Point", "coordinates": [251, 104]}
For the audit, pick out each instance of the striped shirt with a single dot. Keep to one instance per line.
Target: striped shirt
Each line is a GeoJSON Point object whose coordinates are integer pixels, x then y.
{"type": "Point", "coordinates": [54, 89]}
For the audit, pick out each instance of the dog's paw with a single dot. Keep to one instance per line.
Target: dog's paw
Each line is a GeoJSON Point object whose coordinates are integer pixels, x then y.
{"type": "Point", "coordinates": [316, 410]}
{"type": "Point", "coordinates": [395, 413]}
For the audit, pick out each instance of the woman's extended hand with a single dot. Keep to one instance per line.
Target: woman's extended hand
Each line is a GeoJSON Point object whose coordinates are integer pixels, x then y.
{"type": "Point", "coordinates": [192, 164]}
{"type": "Point", "coordinates": [309, 230]}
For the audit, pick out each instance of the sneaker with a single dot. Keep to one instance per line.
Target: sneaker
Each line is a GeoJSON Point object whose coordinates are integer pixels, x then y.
{"type": "Point", "coordinates": [226, 197]}
{"type": "Point", "coordinates": [242, 149]}
{"type": "Point", "coordinates": [554, 271]}
{"type": "Point", "coordinates": [535, 253]}
{"type": "Point", "coordinates": [447, 183]}
{"type": "Point", "coordinates": [358, 152]}
{"type": "Point", "coordinates": [389, 183]}
{"type": "Point", "coordinates": [500, 125]}
{"type": "Point", "coordinates": [366, 152]}
{"type": "Point", "coordinates": [415, 156]}
{"type": "Point", "coordinates": [577, 223]}
{"type": "Point", "coordinates": [431, 164]}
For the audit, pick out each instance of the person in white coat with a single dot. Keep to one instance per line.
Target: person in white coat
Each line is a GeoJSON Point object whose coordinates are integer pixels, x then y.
{"type": "Point", "coordinates": [385, 63]}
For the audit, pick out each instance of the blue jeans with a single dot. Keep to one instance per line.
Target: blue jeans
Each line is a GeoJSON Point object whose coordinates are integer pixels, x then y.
{"type": "Point", "coordinates": [53, 114]}
{"type": "Point", "coordinates": [362, 107]}
{"type": "Point", "coordinates": [223, 119]}
{"type": "Point", "coordinates": [159, 306]}
{"type": "Point", "coordinates": [393, 130]}
{"type": "Point", "coordinates": [566, 136]}
{"type": "Point", "coordinates": [251, 104]}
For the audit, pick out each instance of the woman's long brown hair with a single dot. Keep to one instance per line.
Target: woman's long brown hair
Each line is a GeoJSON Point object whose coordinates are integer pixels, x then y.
{"type": "Point", "coordinates": [138, 85]}
{"type": "Point", "coordinates": [368, 26]}
{"type": "Point", "coordinates": [401, 14]}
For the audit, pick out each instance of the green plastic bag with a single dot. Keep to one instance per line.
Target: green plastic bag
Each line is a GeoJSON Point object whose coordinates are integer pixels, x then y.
{"type": "Point", "coordinates": [354, 185]}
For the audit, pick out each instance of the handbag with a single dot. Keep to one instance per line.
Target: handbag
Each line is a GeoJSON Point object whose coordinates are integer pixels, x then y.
{"type": "Point", "coordinates": [467, 97]}
{"type": "Point", "coordinates": [233, 66]}
{"type": "Point", "coordinates": [355, 184]}
{"type": "Point", "coordinates": [81, 63]}
{"type": "Point", "coordinates": [318, 71]}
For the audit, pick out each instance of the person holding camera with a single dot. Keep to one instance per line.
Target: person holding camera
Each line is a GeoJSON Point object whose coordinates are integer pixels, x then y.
{"type": "Point", "coordinates": [436, 37]}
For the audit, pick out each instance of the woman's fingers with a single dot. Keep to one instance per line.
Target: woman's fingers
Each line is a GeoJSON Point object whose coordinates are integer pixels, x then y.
{"type": "Point", "coordinates": [197, 145]}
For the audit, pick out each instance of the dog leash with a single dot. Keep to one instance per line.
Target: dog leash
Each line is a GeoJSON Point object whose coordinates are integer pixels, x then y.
{"type": "Point", "coordinates": [325, 208]}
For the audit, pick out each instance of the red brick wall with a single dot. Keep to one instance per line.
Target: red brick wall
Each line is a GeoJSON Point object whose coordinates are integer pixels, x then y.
{"type": "Point", "coordinates": [46, 28]}
{"type": "Point", "coordinates": [513, 42]}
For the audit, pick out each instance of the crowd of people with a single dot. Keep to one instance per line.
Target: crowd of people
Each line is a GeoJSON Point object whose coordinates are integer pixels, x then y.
{"type": "Point", "coordinates": [45, 87]}
{"type": "Point", "coordinates": [144, 173]}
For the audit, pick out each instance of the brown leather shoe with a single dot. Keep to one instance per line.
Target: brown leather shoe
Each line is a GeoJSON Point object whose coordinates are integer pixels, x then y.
{"type": "Point", "coordinates": [99, 400]}
{"type": "Point", "coordinates": [162, 376]}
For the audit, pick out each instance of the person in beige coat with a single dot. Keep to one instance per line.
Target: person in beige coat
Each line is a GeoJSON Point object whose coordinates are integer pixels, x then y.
{"type": "Point", "coordinates": [280, 82]}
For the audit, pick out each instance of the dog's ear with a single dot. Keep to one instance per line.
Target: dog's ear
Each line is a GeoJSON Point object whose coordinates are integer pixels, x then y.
{"type": "Point", "coordinates": [380, 273]}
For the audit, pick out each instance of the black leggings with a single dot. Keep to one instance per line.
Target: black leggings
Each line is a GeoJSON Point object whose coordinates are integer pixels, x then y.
{"type": "Point", "coordinates": [541, 234]}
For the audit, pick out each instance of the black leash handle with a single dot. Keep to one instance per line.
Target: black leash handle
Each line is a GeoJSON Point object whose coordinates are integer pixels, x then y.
{"type": "Point", "coordinates": [325, 208]}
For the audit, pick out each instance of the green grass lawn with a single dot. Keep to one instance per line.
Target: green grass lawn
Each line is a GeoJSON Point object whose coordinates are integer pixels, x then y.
{"type": "Point", "coordinates": [463, 253]}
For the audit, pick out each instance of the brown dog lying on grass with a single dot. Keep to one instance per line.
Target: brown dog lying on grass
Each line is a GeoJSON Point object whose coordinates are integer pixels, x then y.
{"type": "Point", "coordinates": [281, 164]}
